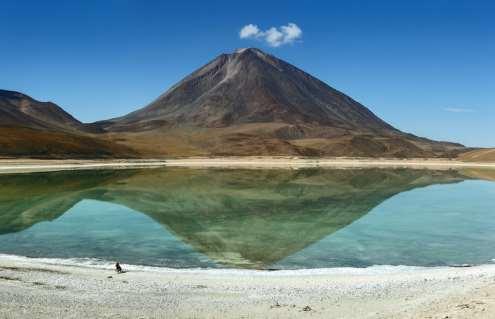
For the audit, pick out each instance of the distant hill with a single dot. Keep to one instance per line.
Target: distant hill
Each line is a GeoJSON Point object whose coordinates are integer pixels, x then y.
{"type": "Point", "coordinates": [252, 103]}
{"type": "Point", "coordinates": [42, 129]}
{"type": "Point", "coordinates": [17, 109]}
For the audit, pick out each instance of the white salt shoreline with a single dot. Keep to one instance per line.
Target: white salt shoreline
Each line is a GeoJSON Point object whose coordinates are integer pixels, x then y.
{"type": "Point", "coordinates": [30, 165]}
{"type": "Point", "coordinates": [32, 288]}
{"type": "Point", "coordinates": [98, 264]}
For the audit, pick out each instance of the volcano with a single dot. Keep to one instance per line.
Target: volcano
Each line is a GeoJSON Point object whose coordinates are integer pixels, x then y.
{"type": "Point", "coordinates": [250, 86]}
{"type": "Point", "coordinates": [252, 103]}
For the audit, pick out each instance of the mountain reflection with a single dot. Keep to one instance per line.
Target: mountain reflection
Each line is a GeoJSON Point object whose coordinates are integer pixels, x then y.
{"type": "Point", "coordinates": [238, 218]}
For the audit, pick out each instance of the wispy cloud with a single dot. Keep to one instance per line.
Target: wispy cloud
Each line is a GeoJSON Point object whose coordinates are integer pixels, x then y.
{"type": "Point", "coordinates": [273, 36]}
{"type": "Point", "coordinates": [458, 110]}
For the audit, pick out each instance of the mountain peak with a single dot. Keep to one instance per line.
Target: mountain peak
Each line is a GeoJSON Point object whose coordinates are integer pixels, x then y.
{"type": "Point", "coordinates": [242, 50]}
{"type": "Point", "coordinates": [252, 53]}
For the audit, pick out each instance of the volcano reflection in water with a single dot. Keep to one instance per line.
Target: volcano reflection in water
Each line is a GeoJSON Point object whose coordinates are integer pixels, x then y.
{"type": "Point", "coordinates": [179, 217]}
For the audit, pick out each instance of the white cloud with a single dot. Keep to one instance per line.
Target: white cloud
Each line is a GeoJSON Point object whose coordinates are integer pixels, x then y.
{"type": "Point", "coordinates": [458, 110]}
{"type": "Point", "coordinates": [292, 32]}
{"type": "Point", "coordinates": [274, 37]}
{"type": "Point", "coordinates": [249, 31]}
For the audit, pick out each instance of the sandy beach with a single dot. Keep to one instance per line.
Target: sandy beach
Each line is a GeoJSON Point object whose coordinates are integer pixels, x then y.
{"type": "Point", "coordinates": [31, 288]}
{"type": "Point", "coordinates": [34, 165]}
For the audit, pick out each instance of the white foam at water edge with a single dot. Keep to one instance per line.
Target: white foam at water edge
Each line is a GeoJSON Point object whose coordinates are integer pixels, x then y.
{"type": "Point", "coordinates": [101, 264]}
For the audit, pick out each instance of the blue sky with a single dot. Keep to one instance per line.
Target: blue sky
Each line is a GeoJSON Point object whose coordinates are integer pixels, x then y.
{"type": "Point", "coordinates": [426, 67]}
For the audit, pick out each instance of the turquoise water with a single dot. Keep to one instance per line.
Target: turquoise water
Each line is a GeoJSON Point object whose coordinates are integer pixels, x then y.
{"type": "Point", "coordinates": [264, 219]}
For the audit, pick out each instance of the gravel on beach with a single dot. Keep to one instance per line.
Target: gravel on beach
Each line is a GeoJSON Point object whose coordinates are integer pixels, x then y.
{"type": "Point", "coordinates": [33, 289]}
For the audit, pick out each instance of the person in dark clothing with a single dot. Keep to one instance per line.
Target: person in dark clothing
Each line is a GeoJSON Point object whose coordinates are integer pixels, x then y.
{"type": "Point", "coordinates": [118, 269]}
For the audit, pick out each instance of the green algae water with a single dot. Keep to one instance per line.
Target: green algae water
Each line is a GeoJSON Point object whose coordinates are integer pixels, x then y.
{"type": "Point", "coordinates": [259, 219]}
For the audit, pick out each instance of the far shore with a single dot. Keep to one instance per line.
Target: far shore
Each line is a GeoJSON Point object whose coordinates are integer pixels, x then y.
{"type": "Point", "coordinates": [32, 288]}
{"type": "Point", "coordinates": [36, 165]}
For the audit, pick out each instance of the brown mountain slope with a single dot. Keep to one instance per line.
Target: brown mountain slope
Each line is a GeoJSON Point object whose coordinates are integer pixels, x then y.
{"type": "Point", "coordinates": [30, 128]}
{"type": "Point", "coordinates": [480, 155]}
{"type": "Point", "coordinates": [39, 143]}
{"type": "Point", "coordinates": [252, 103]}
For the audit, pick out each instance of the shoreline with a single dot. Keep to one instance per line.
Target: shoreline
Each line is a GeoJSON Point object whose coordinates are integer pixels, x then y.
{"type": "Point", "coordinates": [31, 288]}
{"type": "Point", "coordinates": [105, 265]}
{"type": "Point", "coordinates": [32, 165]}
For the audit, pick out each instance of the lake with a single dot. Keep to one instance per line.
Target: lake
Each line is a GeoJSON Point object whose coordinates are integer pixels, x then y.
{"type": "Point", "coordinates": [251, 218]}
